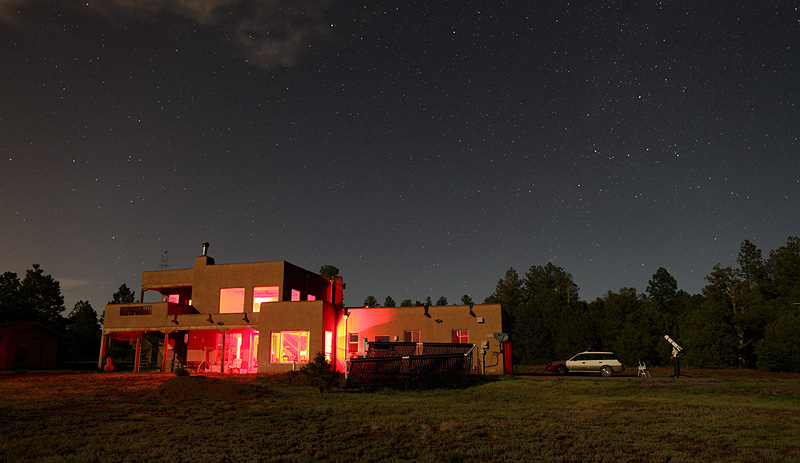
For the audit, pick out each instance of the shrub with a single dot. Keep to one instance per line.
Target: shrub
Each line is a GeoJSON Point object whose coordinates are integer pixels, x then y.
{"type": "Point", "coordinates": [320, 373]}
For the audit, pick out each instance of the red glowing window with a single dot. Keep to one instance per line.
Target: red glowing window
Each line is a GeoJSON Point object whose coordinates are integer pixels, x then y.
{"type": "Point", "coordinates": [262, 294]}
{"type": "Point", "coordinates": [411, 336]}
{"type": "Point", "coordinates": [461, 336]}
{"type": "Point", "coordinates": [328, 345]}
{"type": "Point", "coordinates": [352, 342]}
{"type": "Point", "coordinates": [311, 297]}
{"type": "Point", "coordinates": [173, 298]}
{"type": "Point", "coordinates": [289, 347]}
{"type": "Point", "coordinates": [231, 300]}
{"type": "Point", "coordinates": [295, 295]}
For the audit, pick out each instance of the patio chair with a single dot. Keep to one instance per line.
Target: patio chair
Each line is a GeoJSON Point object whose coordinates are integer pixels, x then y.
{"type": "Point", "coordinates": [643, 371]}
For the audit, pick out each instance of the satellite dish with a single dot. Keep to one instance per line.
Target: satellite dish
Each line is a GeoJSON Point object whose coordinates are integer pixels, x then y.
{"type": "Point", "coordinates": [501, 337]}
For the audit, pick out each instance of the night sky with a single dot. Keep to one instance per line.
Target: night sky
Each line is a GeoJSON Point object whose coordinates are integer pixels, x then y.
{"type": "Point", "coordinates": [423, 148]}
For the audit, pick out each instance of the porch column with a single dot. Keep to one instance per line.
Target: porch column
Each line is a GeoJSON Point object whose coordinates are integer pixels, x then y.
{"type": "Point", "coordinates": [166, 345]}
{"type": "Point", "coordinates": [222, 362]}
{"type": "Point", "coordinates": [102, 352]}
{"type": "Point", "coordinates": [138, 354]}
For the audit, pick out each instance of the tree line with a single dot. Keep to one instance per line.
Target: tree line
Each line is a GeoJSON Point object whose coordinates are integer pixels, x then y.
{"type": "Point", "coordinates": [37, 298]}
{"type": "Point", "coordinates": [746, 316]}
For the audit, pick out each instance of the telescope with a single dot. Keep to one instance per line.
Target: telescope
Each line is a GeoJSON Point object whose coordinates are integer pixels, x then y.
{"type": "Point", "coordinates": [678, 348]}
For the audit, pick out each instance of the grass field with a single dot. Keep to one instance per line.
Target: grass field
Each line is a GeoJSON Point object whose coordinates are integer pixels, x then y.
{"type": "Point", "coordinates": [709, 416]}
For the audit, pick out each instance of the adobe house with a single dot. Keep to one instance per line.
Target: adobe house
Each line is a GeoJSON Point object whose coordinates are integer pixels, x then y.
{"type": "Point", "coordinates": [29, 346]}
{"type": "Point", "coordinates": [270, 317]}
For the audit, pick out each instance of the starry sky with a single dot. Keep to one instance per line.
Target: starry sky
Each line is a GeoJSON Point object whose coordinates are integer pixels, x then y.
{"type": "Point", "coordinates": [423, 148]}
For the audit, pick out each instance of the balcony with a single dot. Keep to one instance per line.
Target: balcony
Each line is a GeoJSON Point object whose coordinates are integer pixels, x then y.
{"type": "Point", "coordinates": [145, 316]}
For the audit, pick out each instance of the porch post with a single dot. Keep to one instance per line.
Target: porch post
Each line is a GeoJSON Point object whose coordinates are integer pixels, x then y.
{"type": "Point", "coordinates": [222, 362]}
{"type": "Point", "coordinates": [102, 352]}
{"type": "Point", "coordinates": [138, 354]}
{"type": "Point", "coordinates": [166, 345]}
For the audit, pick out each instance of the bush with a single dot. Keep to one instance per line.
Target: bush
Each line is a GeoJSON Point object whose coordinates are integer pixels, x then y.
{"type": "Point", "coordinates": [320, 373]}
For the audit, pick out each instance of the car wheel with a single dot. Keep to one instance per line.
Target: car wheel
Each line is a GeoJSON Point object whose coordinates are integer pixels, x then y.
{"type": "Point", "coordinates": [606, 371]}
{"type": "Point", "coordinates": [561, 370]}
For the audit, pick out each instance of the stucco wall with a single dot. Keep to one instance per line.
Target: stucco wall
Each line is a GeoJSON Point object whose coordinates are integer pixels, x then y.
{"type": "Point", "coordinates": [438, 327]}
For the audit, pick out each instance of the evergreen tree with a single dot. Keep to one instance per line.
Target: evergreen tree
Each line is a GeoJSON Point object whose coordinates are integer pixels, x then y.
{"type": "Point", "coordinates": [780, 348]}
{"type": "Point", "coordinates": [389, 302]}
{"type": "Point", "coordinates": [41, 298]}
{"type": "Point", "coordinates": [441, 301]}
{"type": "Point", "coordinates": [508, 292]}
{"type": "Point", "coordinates": [466, 300]}
{"type": "Point", "coordinates": [10, 304]}
{"type": "Point", "coordinates": [406, 303]}
{"type": "Point", "coordinates": [662, 289]}
{"type": "Point", "coordinates": [784, 267]}
{"type": "Point", "coordinates": [124, 295]}
{"type": "Point", "coordinates": [84, 331]}
{"type": "Point", "coordinates": [371, 301]}
{"type": "Point", "coordinates": [329, 271]}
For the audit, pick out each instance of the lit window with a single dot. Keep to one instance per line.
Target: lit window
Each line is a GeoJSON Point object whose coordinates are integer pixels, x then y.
{"type": "Point", "coordinates": [311, 297]}
{"type": "Point", "coordinates": [264, 294]}
{"type": "Point", "coordinates": [328, 345]}
{"type": "Point", "coordinates": [411, 336]}
{"type": "Point", "coordinates": [295, 295]}
{"type": "Point", "coordinates": [231, 300]}
{"type": "Point", "coordinates": [173, 298]}
{"type": "Point", "coordinates": [352, 342]}
{"type": "Point", "coordinates": [461, 336]}
{"type": "Point", "coordinates": [289, 347]}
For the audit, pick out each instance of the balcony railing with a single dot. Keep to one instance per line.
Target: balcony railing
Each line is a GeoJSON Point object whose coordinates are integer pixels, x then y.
{"type": "Point", "coordinates": [135, 310]}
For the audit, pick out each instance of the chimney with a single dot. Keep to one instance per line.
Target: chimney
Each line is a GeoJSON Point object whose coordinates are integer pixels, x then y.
{"type": "Point", "coordinates": [205, 249]}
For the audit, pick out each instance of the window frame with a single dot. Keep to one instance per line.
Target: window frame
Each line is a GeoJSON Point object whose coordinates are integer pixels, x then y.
{"type": "Point", "coordinates": [460, 336]}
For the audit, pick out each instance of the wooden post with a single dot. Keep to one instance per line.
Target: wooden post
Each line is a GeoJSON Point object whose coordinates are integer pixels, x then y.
{"type": "Point", "coordinates": [222, 362]}
{"type": "Point", "coordinates": [102, 352]}
{"type": "Point", "coordinates": [138, 354]}
{"type": "Point", "coordinates": [166, 346]}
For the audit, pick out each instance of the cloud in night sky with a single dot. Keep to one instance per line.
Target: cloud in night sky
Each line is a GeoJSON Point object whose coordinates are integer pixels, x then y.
{"type": "Point", "coordinates": [267, 34]}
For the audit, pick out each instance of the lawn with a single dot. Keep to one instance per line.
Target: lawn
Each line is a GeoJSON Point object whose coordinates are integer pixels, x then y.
{"type": "Point", "coordinates": [710, 416]}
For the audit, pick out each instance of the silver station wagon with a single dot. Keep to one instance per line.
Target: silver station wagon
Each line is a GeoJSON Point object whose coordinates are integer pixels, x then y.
{"type": "Point", "coordinates": [605, 363]}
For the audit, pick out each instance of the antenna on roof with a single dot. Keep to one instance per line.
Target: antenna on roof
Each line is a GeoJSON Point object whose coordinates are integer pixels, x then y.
{"type": "Point", "coordinates": [164, 261]}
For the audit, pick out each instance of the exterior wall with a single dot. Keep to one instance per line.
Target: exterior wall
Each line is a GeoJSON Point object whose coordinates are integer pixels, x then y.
{"type": "Point", "coordinates": [209, 279]}
{"type": "Point", "coordinates": [203, 283]}
{"type": "Point", "coordinates": [291, 316]}
{"type": "Point", "coordinates": [394, 321]}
